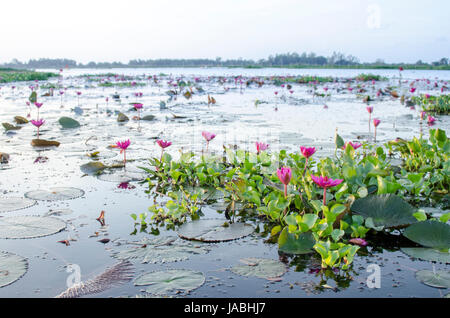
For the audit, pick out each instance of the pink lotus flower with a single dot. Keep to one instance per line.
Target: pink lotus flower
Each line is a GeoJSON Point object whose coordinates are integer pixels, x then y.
{"type": "Point", "coordinates": [78, 93]}
{"type": "Point", "coordinates": [307, 152]}
{"type": "Point", "coordinates": [355, 145]}
{"type": "Point", "coordinates": [208, 137]}
{"type": "Point", "coordinates": [431, 120]}
{"type": "Point", "coordinates": [38, 105]}
{"type": "Point", "coordinates": [369, 109]}
{"type": "Point", "coordinates": [260, 146]}
{"type": "Point", "coordinates": [126, 186]}
{"type": "Point", "coordinates": [412, 90]}
{"type": "Point", "coordinates": [358, 241]}
{"type": "Point", "coordinates": [376, 122]}
{"type": "Point", "coordinates": [38, 123]}
{"type": "Point", "coordinates": [427, 96]}
{"type": "Point", "coordinates": [123, 145]}
{"type": "Point", "coordinates": [138, 106]}
{"type": "Point", "coordinates": [163, 144]}
{"type": "Point", "coordinates": [285, 175]}
{"type": "Point", "coordinates": [400, 68]}
{"type": "Point", "coordinates": [325, 183]}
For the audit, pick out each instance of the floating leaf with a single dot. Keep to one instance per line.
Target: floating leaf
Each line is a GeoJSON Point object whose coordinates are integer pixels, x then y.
{"type": "Point", "coordinates": [58, 212]}
{"type": "Point", "coordinates": [44, 143]}
{"type": "Point", "coordinates": [164, 282]}
{"type": "Point", "coordinates": [20, 120]}
{"type": "Point", "coordinates": [67, 122]}
{"type": "Point", "coordinates": [213, 230]}
{"type": "Point", "coordinates": [8, 126]}
{"type": "Point", "coordinates": [114, 276]}
{"type": "Point", "coordinates": [427, 254]}
{"type": "Point", "coordinates": [121, 177]}
{"type": "Point", "coordinates": [55, 194]}
{"type": "Point", "coordinates": [121, 117]}
{"type": "Point", "coordinates": [12, 267]}
{"type": "Point", "coordinates": [290, 244]}
{"type": "Point", "coordinates": [160, 250]}
{"type": "Point", "coordinates": [386, 210]}
{"type": "Point", "coordinates": [21, 227]}
{"type": "Point", "coordinates": [9, 204]}
{"type": "Point", "coordinates": [437, 279]}
{"type": "Point", "coordinates": [148, 117]}
{"type": "Point", "coordinates": [93, 167]}
{"type": "Point", "coordinates": [430, 234]}
{"type": "Point", "coordinates": [260, 267]}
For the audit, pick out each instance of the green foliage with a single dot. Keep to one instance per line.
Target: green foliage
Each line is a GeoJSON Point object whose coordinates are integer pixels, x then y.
{"type": "Point", "coordinates": [8, 76]}
{"type": "Point", "coordinates": [434, 104]}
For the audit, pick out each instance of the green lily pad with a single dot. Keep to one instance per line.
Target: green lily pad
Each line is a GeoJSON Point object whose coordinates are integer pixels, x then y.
{"type": "Point", "coordinates": [164, 282]}
{"type": "Point", "coordinates": [93, 167]}
{"type": "Point", "coordinates": [386, 210]}
{"type": "Point", "coordinates": [67, 122]}
{"type": "Point", "coordinates": [148, 117]}
{"type": "Point", "coordinates": [55, 194]}
{"type": "Point", "coordinates": [437, 279]}
{"type": "Point", "coordinates": [22, 227]}
{"type": "Point", "coordinates": [260, 267]}
{"type": "Point", "coordinates": [121, 176]}
{"type": "Point", "coordinates": [8, 126]}
{"type": "Point", "coordinates": [12, 268]}
{"type": "Point", "coordinates": [427, 254]}
{"type": "Point", "coordinates": [290, 244]}
{"type": "Point", "coordinates": [20, 120]}
{"type": "Point", "coordinates": [430, 234]}
{"type": "Point", "coordinates": [121, 117]}
{"type": "Point", "coordinates": [213, 230]}
{"type": "Point", "coordinates": [160, 250]}
{"type": "Point", "coordinates": [9, 204]}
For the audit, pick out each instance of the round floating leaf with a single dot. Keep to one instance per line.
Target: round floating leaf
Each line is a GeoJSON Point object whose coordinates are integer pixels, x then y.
{"type": "Point", "coordinates": [149, 117]}
{"type": "Point", "coordinates": [290, 244]}
{"type": "Point", "coordinates": [20, 120]}
{"type": "Point", "coordinates": [21, 227]}
{"type": "Point", "coordinates": [55, 194]}
{"type": "Point", "coordinates": [164, 282]}
{"type": "Point", "coordinates": [121, 177]}
{"type": "Point", "coordinates": [430, 234]}
{"type": "Point", "coordinates": [260, 267]}
{"type": "Point", "coordinates": [8, 204]}
{"type": "Point", "coordinates": [386, 210]}
{"type": "Point", "coordinates": [92, 167]}
{"type": "Point", "coordinates": [160, 250]}
{"type": "Point", "coordinates": [438, 279]}
{"type": "Point", "coordinates": [58, 212]}
{"type": "Point", "coordinates": [44, 143]}
{"type": "Point", "coordinates": [67, 122]}
{"type": "Point", "coordinates": [214, 230]}
{"type": "Point", "coordinates": [427, 254]}
{"type": "Point", "coordinates": [12, 267]}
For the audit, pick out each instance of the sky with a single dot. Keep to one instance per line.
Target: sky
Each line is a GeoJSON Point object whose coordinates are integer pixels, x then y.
{"type": "Point", "coordinates": [110, 30]}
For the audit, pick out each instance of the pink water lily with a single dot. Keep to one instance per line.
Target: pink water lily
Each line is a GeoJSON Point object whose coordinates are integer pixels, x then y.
{"type": "Point", "coordinates": [138, 106]}
{"type": "Point", "coordinates": [355, 145]}
{"type": "Point", "coordinates": [325, 183]}
{"type": "Point", "coordinates": [38, 123]}
{"type": "Point", "coordinates": [208, 137]}
{"type": "Point", "coordinates": [284, 175]}
{"type": "Point", "coordinates": [260, 146]}
{"type": "Point", "coordinates": [431, 120]}
{"type": "Point", "coordinates": [358, 241]}
{"type": "Point", "coordinates": [123, 145]}
{"type": "Point", "coordinates": [163, 144]}
{"type": "Point", "coordinates": [412, 90]}
{"type": "Point", "coordinates": [370, 111]}
{"type": "Point", "coordinates": [307, 152]}
{"type": "Point", "coordinates": [376, 122]}
{"type": "Point", "coordinates": [422, 115]}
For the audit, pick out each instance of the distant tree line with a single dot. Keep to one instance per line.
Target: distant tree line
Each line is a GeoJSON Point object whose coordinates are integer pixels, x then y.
{"type": "Point", "coordinates": [279, 60]}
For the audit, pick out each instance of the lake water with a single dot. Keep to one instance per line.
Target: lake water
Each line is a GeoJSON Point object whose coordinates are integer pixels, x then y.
{"type": "Point", "coordinates": [284, 120]}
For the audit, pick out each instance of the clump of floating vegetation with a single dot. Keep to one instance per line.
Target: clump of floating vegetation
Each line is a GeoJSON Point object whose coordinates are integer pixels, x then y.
{"type": "Point", "coordinates": [8, 75]}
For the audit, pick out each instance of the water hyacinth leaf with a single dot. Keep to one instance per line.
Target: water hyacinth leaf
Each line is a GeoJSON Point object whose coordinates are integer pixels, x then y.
{"type": "Point", "coordinates": [437, 279]}
{"type": "Point", "coordinates": [164, 282]}
{"type": "Point", "coordinates": [291, 244]}
{"type": "Point", "coordinates": [67, 122]}
{"type": "Point", "coordinates": [12, 268]}
{"type": "Point", "coordinates": [160, 250]}
{"type": "Point", "coordinates": [55, 194]}
{"type": "Point", "coordinates": [118, 274]}
{"type": "Point", "coordinates": [430, 234]}
{"type": "Point", "coordinates": [8, 204]}
{"type": "Point", "coordinates": [386, 210]}
{"type": "Point", "coordinates": [260, 267]}
{"type": "Point", "coordinates": [22, 227]}
{"type": "Point", "coordinates": [93, 167]}
{"type": "Point", "coordinates": [213, 230]}
{"type": "Point", "coordinates": [427, 254]}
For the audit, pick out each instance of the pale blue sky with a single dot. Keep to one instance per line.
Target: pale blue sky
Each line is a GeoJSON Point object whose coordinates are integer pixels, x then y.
{"type": "Point", "coordinates": [101, 30]}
